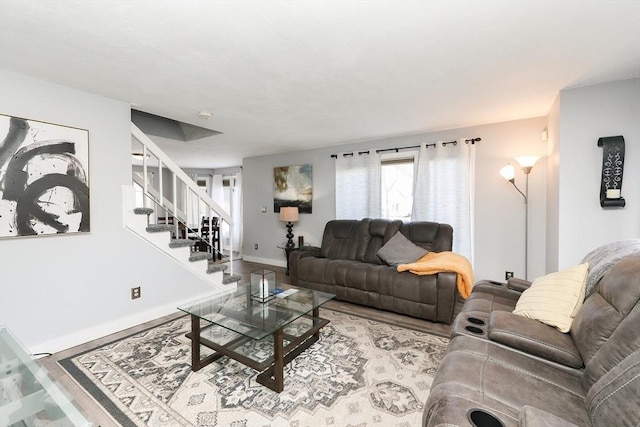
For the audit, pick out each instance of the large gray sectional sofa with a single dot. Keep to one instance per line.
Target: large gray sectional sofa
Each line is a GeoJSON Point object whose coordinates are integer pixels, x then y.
{"type": "Point", "coordinates": [348, 266]}
{"type": "Point", "coordinates": [501, 369]}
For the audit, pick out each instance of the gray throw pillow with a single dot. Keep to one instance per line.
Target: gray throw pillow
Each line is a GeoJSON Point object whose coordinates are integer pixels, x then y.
{"type": "Point", "coordinates": [400, 250]}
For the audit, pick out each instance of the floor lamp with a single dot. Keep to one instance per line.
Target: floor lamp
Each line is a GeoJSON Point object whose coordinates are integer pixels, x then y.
{"type": "Point", "coordinates": [508, 173]}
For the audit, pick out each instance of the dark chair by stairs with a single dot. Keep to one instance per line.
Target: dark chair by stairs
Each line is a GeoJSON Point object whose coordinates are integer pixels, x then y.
{"type": "Point", "coordinates": [202, 245]}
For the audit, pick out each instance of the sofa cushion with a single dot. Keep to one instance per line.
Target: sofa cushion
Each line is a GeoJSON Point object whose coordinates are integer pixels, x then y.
{"type": "Point", "coordinates": [534, 338]}
{"type": "Point", "coordinates": [554, 299]}
{"type": "Point", "coordinates": [597, 330]}
{"type": "Point", "coordinates": [400, 250]}
{"type": "Point", "coordinates": [374, 234]}
{"type": "Point", "coordinates": [432, 236]}
{"type": "Point", "coordinates": [488, 296]}
{"type": "Point", "coordinates": [340, 239]}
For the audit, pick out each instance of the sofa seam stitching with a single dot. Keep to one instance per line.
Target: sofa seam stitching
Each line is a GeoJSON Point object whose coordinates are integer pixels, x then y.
{"type": "Point", "coordinates": [538, 341]}
{"type": "Point", "coordinates": [592, 415]}
{"type": "Point", "coordinates": [621, 373]}
{"type": "Point", "coordinates": [637, 304]}
{"type": "Point", "coordinates": [514, 368]}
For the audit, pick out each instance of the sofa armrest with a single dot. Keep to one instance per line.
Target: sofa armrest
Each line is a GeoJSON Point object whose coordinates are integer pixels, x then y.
{"type": "Point", "coordinates": [310, 251]}
{"type": "Point", "coordinates": [533, 417]}
{"type": "Point", "coordinates": [447, 293]}
{"type": "Point", "coordinates": [294, 258]}
{"type": "Point", "coordinates": [520, 285]}
{"type": "Point", "coordinates": [496, 288]}
{"type": "Point", "coordinates": [533, 337]}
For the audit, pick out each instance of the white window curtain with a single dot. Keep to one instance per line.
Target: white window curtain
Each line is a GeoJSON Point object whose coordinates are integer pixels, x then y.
{"type": "Point", "coordinates": [230, 199]}
{"type": "Point", "coordinates": [217, 190]}
{"type": "Point", "coordinates": [443, 190]}
{"type": "Point", "coordinates": [358, 185]}
{"type": "Point", "coordinates": [236, 212]}
{"type": "Point", "coordinates": [193, 205]}
{"type": "Point", "coordinates": [218, 196]}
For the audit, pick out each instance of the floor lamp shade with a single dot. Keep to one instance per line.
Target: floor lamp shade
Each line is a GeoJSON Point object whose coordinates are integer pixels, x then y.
{"type": "Point", "coordinates": [508, 172]}
{"type": "Point", "coordinates": [527, 162]}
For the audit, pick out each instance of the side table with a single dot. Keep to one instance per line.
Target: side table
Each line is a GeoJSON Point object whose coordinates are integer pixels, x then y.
{"type": "Point", "coordinates": [287, 252]}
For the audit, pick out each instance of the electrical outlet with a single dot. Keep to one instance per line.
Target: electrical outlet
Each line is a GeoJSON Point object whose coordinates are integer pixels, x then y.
{"type": "Point", "coordinates": [135, 292]}
{"type": "Point", "coordinates": [255, 246]}
{"type": "Point", "coordinates": [508, 275]}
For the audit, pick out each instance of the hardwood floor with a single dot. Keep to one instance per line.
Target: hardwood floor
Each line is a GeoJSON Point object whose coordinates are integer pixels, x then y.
{"type": "Point", "coordinates": [95, 413]}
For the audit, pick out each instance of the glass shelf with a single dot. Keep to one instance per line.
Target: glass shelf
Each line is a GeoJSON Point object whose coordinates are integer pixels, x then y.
{"type": "Point", "coordinates": [28, 396]}
{"type": "Point", "coordinates": [239, 313]}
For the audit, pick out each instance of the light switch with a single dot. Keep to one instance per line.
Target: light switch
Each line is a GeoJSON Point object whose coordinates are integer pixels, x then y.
{"type": "Point", "coordinates": [263, 209]}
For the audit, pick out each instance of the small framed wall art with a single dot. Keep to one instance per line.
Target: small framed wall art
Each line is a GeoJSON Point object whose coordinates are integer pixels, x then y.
{"type": "Point", "coordinates": [293, 186]}
{"type": "Point", "coordinates": [44, 178]}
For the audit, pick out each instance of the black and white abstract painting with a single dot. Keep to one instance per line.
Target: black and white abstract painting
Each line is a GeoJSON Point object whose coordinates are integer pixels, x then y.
{"type": "Point", "coordinates": [44, 178]}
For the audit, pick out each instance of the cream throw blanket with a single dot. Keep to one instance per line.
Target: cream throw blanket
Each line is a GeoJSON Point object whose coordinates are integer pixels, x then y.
{"type": "Point", "coordinates": [606, 256]}
{"type": "Point", "coordinates": [437, 262]}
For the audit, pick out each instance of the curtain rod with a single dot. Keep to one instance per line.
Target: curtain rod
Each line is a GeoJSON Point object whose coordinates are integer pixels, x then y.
{"type": "Point", "coordinates": [398, 148]}
{"type": "Point", "coordinates": [335, 156]}
{"type": "Point", "coordinates": [471, 141]}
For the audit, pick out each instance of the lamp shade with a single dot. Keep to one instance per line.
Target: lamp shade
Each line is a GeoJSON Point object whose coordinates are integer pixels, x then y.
{"type": "Point", "coordinates": [508, 172]}
{"type": "Point", "coordinates": [289, 214]}
{"type": "Point", "coordinates": [527, 161]}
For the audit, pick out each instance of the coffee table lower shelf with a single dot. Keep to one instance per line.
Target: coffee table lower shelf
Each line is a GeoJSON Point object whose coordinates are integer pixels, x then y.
{"type": "Point", "coordinates": [227, 343]}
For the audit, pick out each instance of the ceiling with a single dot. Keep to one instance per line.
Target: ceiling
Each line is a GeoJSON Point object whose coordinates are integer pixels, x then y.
{"type": "Point", "coordinates": [279, 76]}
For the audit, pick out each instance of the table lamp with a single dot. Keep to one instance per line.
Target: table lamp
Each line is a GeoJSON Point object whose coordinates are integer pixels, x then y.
{"type": "Point", "coordinates": [289, 215]}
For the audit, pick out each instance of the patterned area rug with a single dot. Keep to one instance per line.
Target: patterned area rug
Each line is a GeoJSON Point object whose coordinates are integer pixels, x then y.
{"type": "Point", "coordinates": [360, 373]}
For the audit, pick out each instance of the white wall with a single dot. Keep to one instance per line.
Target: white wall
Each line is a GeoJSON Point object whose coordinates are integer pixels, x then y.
{"type": "Point", "coordinates": [587, 114]}
{"type": "Point", "coordinates": [553, 186]}
{"type": "Point", "coordinates": [565, 217]}
{"type": "Point", "coordinates": [499, 209]}
{"type": "Point", "coordinates": [59, 291]}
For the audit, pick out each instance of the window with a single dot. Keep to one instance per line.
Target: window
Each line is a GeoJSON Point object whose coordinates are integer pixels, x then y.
{"type": "Point", "coordinates": [203, 184]}
{"type": "Point", "coordinates": [434, 184]}
{"type": "Point", "coordinates": [397, 187]}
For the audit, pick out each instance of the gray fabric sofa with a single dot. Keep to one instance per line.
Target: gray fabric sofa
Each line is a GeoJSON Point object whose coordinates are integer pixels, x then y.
{"type": "Point", "coordinates": [347, 265]}
{"type": "Point", "coordinates": [503, 369]}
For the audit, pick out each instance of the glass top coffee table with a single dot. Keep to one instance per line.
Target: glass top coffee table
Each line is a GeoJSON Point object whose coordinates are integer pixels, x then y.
{"type": "Point", "coordinates": [264, 336]}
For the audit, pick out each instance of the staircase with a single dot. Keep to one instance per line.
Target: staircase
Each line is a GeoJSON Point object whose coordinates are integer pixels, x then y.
{"type": "Point", "coordinates": [147, 213]}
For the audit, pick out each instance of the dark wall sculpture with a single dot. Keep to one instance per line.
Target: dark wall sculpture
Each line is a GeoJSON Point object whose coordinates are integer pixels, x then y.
{"type": "Point", "coordinates": [612, 169]}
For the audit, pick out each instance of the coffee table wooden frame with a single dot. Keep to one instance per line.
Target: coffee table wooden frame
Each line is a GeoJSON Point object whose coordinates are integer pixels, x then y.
{"type": "Point", "coordinates": [272, 369]}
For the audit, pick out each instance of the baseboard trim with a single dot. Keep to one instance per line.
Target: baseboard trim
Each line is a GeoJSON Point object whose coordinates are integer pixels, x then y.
{"type": "Point", "coordinates": [71, 340]}
{"type": "Point", "coordinates": [268, 261]}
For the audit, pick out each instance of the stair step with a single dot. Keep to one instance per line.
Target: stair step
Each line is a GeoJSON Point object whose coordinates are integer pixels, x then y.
{"type": "Point", "coordinates": [230, 279]}
{"type": "Point", "coordinates": [143, 211]}
{"type": "Point", "coordinates": [199, 256]}
{"type": "Point", "coordinates": [216, 267]}
{"type": "Point", "coordinates": [158, 228]}
{"type": "Point", "coordinates": [180, 243]}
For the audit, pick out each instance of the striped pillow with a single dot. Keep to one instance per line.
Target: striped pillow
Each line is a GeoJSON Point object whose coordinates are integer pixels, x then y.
{"type": "Point", "coordinates": [555, 299]}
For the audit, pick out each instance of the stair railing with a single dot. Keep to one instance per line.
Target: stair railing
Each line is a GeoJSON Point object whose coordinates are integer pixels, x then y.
{"type": "Point", "coordinates": [193, 196]}
{"type": "Point", "coordinates": [155, 195]}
